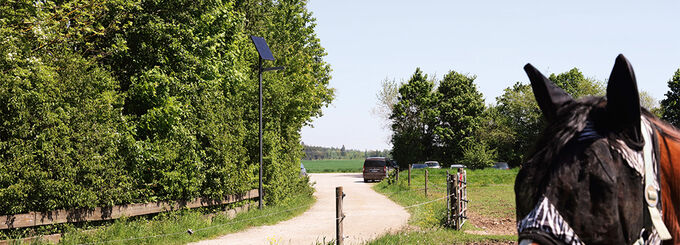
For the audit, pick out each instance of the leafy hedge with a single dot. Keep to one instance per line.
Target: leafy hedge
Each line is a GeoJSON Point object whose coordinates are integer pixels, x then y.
{"type": "Point", "coordinates": [134, 101]}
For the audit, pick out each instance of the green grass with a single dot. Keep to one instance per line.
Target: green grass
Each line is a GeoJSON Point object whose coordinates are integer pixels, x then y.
{"type": "Point", "coordinates": [490, 192]}
{"type": "Point", "coordinates": [440, 236]}
{"type": "Point", "coordinates": [333, 166]}
{"type": "Point", "coordinates": [171, 227]}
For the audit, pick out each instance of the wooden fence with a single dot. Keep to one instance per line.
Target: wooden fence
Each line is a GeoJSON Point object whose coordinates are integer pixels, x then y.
{"type": "Point", "coordinates": [457, 200]}
{"type": "Point", "coordinates": [109, 213]}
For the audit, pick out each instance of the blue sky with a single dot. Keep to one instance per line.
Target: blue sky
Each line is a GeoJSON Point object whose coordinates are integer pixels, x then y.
{"type": "Point", "coordinates": [368, 41]}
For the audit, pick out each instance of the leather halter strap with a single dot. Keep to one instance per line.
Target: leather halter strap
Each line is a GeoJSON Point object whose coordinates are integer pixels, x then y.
{"type": "Point", "coordinates": [652, 192]}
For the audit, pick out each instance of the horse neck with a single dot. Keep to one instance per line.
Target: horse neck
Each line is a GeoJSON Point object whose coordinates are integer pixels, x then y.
{"type": "Point", "coordinates": [669, 149]}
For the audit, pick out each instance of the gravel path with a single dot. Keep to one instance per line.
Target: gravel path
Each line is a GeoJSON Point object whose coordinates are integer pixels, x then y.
{"type": "Point", "coordinates": [369, 215]}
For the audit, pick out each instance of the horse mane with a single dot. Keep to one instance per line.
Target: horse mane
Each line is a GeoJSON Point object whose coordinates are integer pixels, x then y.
{"type": "Point", "coordinates": [669, 143]}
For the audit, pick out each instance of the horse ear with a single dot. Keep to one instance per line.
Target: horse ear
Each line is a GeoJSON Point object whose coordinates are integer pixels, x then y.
{"type": "Point", "coordinates": [549, 97]}
{"type": "Point", "coordinates": [623, 100]}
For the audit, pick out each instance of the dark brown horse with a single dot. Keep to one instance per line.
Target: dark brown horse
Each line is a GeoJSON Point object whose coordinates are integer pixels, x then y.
{"type": "Point", "coordinates": [599, 169]}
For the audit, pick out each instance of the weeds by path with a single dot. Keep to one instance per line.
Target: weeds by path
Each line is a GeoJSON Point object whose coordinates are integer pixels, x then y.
{"type": "Point", "coordinates": [173, 227]}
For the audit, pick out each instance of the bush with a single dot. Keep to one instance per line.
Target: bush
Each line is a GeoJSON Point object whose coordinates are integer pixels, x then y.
{"type": "Point", "coordinates": [63, 136]}
{"type": "Point", "coordinates": [136, 101]}
{"type": "Point", "coordinates": [477, 155]}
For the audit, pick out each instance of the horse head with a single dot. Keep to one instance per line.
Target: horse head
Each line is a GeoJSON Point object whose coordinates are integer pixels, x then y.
{"type": "Point", "coordinates": [585, 182]}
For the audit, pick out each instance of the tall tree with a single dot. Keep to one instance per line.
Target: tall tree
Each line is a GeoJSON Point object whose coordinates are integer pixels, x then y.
{"type": "Point", "coordinates": [165, 89]}
{"type": "Point", "coordinates": [460, 107]}
{"type": "Point", "coordinates": [292, 97]}
{"type": "Point", "coordinates": [387, 97]}
{"type": "Point", "coordinates": [647, 101]}
{"type": "Point", "coordinates": [413, 120]}
{"type": "Point", "coordinates": [671, 104]}
{"type": "Point", "coordinates": [62, 134]}
{"type": "Point", "coordinates": [576, 84]}
{"type": "Point", "coordinates": [518, 112]}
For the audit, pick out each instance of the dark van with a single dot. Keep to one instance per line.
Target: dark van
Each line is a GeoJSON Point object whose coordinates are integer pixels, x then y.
{"type": "Point", "coordinates": [375, 168]}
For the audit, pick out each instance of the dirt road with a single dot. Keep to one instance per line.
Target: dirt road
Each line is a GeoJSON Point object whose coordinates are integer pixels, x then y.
{"type": "Point", "coordinates": [369, 214]}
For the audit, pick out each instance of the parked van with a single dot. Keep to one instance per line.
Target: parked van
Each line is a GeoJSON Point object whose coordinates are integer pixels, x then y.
{"type": "Point", "coordinates": [375, 168]}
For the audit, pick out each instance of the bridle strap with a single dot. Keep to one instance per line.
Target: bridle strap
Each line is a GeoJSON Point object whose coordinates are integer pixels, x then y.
{"type": "Point", "coordinates": [652, 192]}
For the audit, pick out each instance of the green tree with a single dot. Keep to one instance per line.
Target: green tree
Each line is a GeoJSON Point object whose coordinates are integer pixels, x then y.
{"type": "Point", "coordinates": [387, 96]}
{"type": "Point", "coordinates": [414, 118]}
{"type": "Point", "coordinates": [63, 138]}
{"type": "Point", "coordinates": [129, 101]}
{"type": "Point", "coordinates": [648, 102]}
{"type": "Point", "coordinates": [293, 96]}
{"type": "Point", "coordinates": [460, 108]}
{"type": "Point", "coordinates": [496, 134]}
{"type": "Point", "coordinates": [180, 64]}
{"type": "Point", "coordinates": [574, 83]}
{"type": "Point", "coordinates": [671, 104]}
{"type": "Point", "coordinates": [478, 154]}
{"type": "Point", "coordinates": [518, 113]}
{"type": "Point", "coordinates": [188, 68]}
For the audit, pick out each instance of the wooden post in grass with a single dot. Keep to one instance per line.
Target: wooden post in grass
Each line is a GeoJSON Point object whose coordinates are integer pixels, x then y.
{"type": "Point", "coordinates": [397, 169]}
{"type": "Point", "coordinates": [339, 216]}
{"type": "Point", "coordinates": [463, 196]}
{"type": "Point", "coordinates": [425, 182]}
{"type": "Point", "coordinates": [409, 175]}
{"type": "Point", "coordinates": [456, 202]}
{"type": "Point", "coordinates": [448, 198]}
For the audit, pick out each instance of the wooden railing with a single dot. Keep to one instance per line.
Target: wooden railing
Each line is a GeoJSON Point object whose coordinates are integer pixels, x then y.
{"type": "Point", "coordinates": [108, 213]}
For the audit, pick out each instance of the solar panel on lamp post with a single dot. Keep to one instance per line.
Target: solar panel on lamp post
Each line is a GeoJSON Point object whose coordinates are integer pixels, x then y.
{"type": "Point", "coordinates": [265, 54]}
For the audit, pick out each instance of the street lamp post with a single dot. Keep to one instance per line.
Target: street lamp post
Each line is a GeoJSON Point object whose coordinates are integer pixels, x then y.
{"type": "Point", "coordinates": [265, 54]}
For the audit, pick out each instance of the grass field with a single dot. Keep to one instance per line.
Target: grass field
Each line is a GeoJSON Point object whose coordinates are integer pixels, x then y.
{"type": "Point", "coordinates": [333, 166]}
{"type": "Point", "coordinates": [491, 198]}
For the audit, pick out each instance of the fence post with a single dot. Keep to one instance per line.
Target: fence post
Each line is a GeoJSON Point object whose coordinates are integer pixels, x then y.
{"type": "Point", "coordinates": [409, 175]}
{"type": "Point", "coordinates": [425, 182]}
{"type": "Point", "coordinates": [463, 196]}
{"type": "Point", "coordinates": [456, 203]}
{"type": "Point", "coordinates": [448, 198]}
{"type": "Point", "coordinates": [339, 216]}
{"type": "Point", "coordinates": [397, 169]}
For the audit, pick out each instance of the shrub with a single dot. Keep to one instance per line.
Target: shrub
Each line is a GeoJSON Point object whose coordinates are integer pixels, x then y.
{"type": "Point", "coordinates": [136, 101]}
{"type": "Point", "coordinates": [477, 155]}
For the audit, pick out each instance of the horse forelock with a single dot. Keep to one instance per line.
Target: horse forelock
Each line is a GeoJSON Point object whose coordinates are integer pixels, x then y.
{"type": "Point", "coordinates": [572, 119]}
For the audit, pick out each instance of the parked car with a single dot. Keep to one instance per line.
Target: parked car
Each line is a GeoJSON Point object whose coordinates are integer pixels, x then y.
{"type": "Point", "coordinates": [501, 165]}
{"type": "Point", "coordinates": [433, 164]}
{"type": "Point", "coordinates": [458, 166]}
{"type": "Point", "coordinates": [303, 170]}
{"type": "Point", "coordinates": [375, 168]}
{"type": "Point", "coordinates": [418, 165]}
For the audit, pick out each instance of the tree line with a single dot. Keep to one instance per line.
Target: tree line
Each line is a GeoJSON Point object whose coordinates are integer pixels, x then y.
{"type": "Point", "coordinates": [122, 101]}
{"type": "Point", "coordinates": [447, 120]}
{"type": "Point", "coordinates": [322, 153]}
